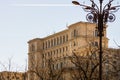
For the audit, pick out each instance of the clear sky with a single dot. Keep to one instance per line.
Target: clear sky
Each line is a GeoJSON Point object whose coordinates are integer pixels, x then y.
{"type": "Point", "coordinates": [23, 20]}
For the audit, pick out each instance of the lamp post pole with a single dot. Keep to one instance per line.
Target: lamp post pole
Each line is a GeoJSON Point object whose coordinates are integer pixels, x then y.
{"type": "Point", "coordinates": [100, 33]}
{"type": "Point", "coordinates": [100, 15]}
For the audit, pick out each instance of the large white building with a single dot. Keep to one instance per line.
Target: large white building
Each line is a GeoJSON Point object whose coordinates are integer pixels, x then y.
{"type": "Point", "coordinates": [60, 45]}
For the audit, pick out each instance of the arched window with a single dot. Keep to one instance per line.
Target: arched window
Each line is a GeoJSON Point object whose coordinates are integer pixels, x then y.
{"type": "Point", "coordinates": [57, 40]}
{"type": "Point", "coordinates": [54, 42]}
{"type": "Point", "coordinates": [32, 47]}
{"type": "Point", "coordinates": [75, 32]}
{"type": "Point", "coordinates": [63, 39]}
{"type": "Point", "coordinates": [60, 40]}
{"type": "Point", "coordinates": [66, 37]}
{"type": "Point", "coordinates": [46, 44]}
{"type": "Point", "coordinates": [51, 43]}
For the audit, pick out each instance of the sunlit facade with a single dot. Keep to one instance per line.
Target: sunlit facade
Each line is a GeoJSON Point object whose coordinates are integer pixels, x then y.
{"type": "Point", "coordinates": [62, 44]}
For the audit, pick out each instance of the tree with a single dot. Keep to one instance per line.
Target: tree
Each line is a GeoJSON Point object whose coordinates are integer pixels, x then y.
{"type": "Point", "coordinates": [8, 73]}
{"type": "Point", "coordinates": [51, 72]}
{"type": "Point", "coordinates": [86, 62]}
{"type": "Point", "coordinates": [45, 73]}
{"type": "Point", "coordinates": [113, 64]}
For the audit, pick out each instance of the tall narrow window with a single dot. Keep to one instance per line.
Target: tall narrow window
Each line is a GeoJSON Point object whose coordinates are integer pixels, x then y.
{"type": "Point", "coordinates": [60, 40]}
{"type": "Point", "coordinates": [63, 49]}
{"type": "Point", "coordinates": [57, 40]}
{"type": "Point", "coordinates": [66, 37]}
{"type": "Point", "coordinates": [61, 64]}
{"type": "Point", "coordinates": [63, 39]}
{"type": "Point", "coordinates": [96, 33]}
{"type": "Point", "coordinates": [66, 48]}
{"type": "Point", "coordinates": [60, 50]}
{"type": "Point", "coordinates": [48, 44]}
{"type": "Point", "coordinates": [75, 33]}
{"type": "Point", "coordinates": [51, 53]}
{"type": "Point", "coordinates": [51, 43]}
{"type": "Point", "coordinates": [54, 42]}
{"type": "Point", "coordinates": [32, 48]}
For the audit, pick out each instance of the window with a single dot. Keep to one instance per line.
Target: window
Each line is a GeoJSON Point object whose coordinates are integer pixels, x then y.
{"type": "Point", "coordinates": [63, 49]}
{"type": "Point", "coordinates": [96, 43]}
{"type": "Point", "coordinates": [13, 77]}
{"type": "Point", "coordinates": [63, 39]}
{"type": "Point", "coordinates": [57, 50]}
{"type": "Point", "coordinates": [48, 44]}
{"type": "Point", "coordinates": [60, 40]}
{"type": "Point", "coordinates": [56, 66]}
{"type": "Point", "coordinates": [51, 43]}
{"type": "Point", "coordinates": [96, 33]}
{"type": "Point", "coordinates": [54, 52]}
{"type": "Point", "coordinates": [75, 32]}
{"type": "Point", "coordinates": [57, 40]}
{"type": "Point", "coordinates": [17, 78]}
{"type": "Point", "coordinates": [53, 66]}
{"type": "Point", "coordinates": [43, 56]}
{"type": "Point", "coordinates": [32, 47]}
{"type": "Point", "coordinates": [66, 37]}
{"type": "Point", "coordinates": [60, 50]}
{"type": "Point", "coordinates": [66, 48]}
{"type": "Point", "coordinates": [61, 65]}
{"type": "Point", "coordinates": [54, 42]}
{"type": "Point", "coordinates": [57, 53]}
{"type": "Point", "coordinates": [51, 53]}
{"type": "Point", "coordinates": [74, 44]}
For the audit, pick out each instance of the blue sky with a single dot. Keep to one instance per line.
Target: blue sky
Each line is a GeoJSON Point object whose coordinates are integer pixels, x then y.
{"type": "Point", "coordinates": [20, 22]}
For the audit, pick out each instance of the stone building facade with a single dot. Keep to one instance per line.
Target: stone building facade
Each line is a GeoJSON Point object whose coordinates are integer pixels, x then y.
{"type": "Point", "coordinates": [60, 45]}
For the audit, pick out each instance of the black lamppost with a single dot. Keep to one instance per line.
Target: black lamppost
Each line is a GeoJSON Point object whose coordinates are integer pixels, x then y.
{"type": "Point", "coordinates": [100, 15]}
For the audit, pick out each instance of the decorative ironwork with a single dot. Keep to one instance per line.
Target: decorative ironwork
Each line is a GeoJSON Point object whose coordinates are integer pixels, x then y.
{"type": "Point", "coordinates": [111, 17]}
{"type": "Point", "coordinates": [94, 11]}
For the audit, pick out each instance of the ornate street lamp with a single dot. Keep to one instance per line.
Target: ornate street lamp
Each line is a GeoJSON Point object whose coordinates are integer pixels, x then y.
{"type": "Point", "coordinates": [100, 15]}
